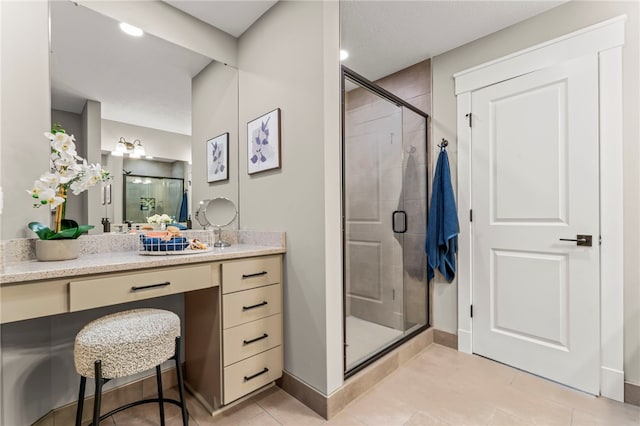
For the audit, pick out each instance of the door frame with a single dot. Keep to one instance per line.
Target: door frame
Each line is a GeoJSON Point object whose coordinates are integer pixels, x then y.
{"type": "Point", "coordinates": [606, 40]}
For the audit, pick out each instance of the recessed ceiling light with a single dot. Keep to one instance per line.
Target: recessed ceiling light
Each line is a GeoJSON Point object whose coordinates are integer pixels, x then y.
{"type": "Point", "coordinates": [131, 30]}
{"type": "Point", "coordinates": [343, 54]}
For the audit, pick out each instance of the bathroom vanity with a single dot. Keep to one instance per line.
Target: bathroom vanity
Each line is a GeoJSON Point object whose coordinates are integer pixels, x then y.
{"type": "Point", "coordinates": [232, 305]}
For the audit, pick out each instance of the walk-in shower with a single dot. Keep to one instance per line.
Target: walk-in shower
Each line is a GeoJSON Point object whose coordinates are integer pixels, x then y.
{"type": "Point", "coordinates": [384, 172]}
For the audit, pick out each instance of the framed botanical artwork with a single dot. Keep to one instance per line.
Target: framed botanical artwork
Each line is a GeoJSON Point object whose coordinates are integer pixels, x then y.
{"type": "Point", "coordinates": [218, 158]}
{"type": "Point", "coordinates": [263, 142]}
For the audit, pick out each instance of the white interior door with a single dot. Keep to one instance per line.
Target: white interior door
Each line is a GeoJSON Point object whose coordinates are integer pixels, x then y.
{"type": "Point", "coordinates": [534, 181]}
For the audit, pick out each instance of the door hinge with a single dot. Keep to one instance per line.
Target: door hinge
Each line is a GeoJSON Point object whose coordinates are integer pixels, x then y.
{"type": "Point", "coordinates": [470, 215]}
{"type": "Point", "coordinates": [600, 240]}
{"type": "Point", "coordinates": [393, 294]}
{"type": "Point", "coordinates": [471, 311]}
{"type": "Point", "coordinates": [469, 116]}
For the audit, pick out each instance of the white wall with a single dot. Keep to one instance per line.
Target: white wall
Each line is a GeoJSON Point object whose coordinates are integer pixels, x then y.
{"type": "Point", "coordinates": [282, 65]}
{"type": "Point", "coordinates": [554, 23]}
{"type": "Point", "coordinates": [214, 111]}
{"type": "Point", "coordinates": [26, 111]}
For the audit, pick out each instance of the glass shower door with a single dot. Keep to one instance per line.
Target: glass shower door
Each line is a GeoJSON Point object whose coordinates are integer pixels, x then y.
{"type": "Point", "coordinates": [384, 209]}
{"type": "Point", "coordinates": [374, 223]}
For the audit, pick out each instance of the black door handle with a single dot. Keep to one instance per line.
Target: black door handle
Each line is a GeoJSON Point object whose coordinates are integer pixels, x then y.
{"type": "Point", "coordinates": [394, 219]}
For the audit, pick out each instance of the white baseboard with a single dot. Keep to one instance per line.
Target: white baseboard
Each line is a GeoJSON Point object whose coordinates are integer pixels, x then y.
{"type": "Point", "coordinates": [612, 383]}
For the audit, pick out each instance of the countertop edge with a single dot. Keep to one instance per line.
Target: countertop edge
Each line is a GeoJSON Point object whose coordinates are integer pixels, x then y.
{"type": "Point", "coordinates": [121, 262]}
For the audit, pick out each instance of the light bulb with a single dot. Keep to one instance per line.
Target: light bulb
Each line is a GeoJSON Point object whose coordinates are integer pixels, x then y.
{"type": "Point", "coordinates": [130, 29]}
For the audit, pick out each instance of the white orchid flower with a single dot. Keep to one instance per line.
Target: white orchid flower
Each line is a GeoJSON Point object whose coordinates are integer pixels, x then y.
{"type": "Point", "coordinates": [38, 187]}
{"type": "Point", "coordinates": [154, 219]}
{"type": "Point", "coordinates": [51, 179]}
{"type": "Point", "coordinates": [63, 143]}
{"type": "Point", "coordinates": [69, 171]}
{"type": "Point", "coordinates": [48, 196]}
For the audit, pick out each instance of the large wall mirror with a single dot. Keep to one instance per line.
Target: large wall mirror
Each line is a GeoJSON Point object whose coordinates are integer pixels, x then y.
{"type": "Point", "coordinates": [107, 86]}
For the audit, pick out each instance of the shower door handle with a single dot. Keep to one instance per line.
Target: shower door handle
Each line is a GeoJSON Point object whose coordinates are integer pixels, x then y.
{"type": "Point", "coordinates": [399, 217]}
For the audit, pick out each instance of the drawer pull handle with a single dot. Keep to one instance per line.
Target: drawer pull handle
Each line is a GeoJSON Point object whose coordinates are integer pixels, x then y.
{"type": "Point", "coordinates": [246, 308]}
{"type": "Point", "coordinates": [257, 274]}
{"type": "Point", "coordinates": [146, 287]}
{"type": "Point", "coordinates": [264, 336]}
{"type": "Point", "coordinates": [247, 378]}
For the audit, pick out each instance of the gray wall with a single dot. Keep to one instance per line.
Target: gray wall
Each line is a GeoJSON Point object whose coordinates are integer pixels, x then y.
{"type": "Point", "coordinates": [76, 208]}
{"type": "Point", "coordinates": [91, 135]}
{"type": "Point", "coordinates": [26, 112]}
{"type": "Point", "coordinates": [291, 198]}
{"type": "Point", "coordinates": [554, 23]}
{"type": "Point", "coordinates": [214, 100]}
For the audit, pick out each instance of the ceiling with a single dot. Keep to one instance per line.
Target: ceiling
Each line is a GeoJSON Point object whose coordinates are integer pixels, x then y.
{"type": "Point", "coordinates": [138, 80]}
{"type": "Point", "coordinates": [147, 81]}
{"type": "Point", "coordinates": [383, 37]}
{"type": "Point", "coordinates": [233, 17]}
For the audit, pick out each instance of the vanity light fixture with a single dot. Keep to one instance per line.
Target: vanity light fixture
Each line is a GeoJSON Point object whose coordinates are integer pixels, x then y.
{"type": "Point", "coordinates": [130, 29]}
{"type": "Point", "coordinates": [134, 149]}
{"type": "Point", "coordinates": [343, 54]}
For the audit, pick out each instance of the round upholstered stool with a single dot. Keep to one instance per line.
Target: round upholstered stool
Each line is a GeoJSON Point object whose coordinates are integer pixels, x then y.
{"type": "Point", "coordinates": [127, 343]}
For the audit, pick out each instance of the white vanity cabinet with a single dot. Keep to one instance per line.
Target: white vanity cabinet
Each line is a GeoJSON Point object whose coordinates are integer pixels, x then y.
{"type": "Point", "coordinates": [240, 350]}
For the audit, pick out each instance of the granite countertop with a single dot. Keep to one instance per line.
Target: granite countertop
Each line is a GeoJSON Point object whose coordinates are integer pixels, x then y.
{"type": "Point", "coordinates": [130, 260]}
{"type": "Point", "coordinates": [32, 270]}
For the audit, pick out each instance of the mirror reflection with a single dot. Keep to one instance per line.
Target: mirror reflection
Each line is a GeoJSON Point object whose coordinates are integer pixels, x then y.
{"type": "Point", "coordinates": [218, 212]}
{"type": "Point", "coordinates": [111, 90]}
{"type": "Point", "coordinates": [145, 196]}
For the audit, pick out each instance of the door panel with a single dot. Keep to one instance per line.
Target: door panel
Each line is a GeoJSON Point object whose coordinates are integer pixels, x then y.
{"type": "Point", "coordinates": [534, 181]}
{"type": "Point", "coordinates": [528, 140]}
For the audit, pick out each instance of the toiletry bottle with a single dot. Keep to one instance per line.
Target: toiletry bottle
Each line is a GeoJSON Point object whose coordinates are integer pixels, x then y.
{"type": "Point", "coordinates": [106, 225]}
{"type": "Point", "coordinates": [189, 224]}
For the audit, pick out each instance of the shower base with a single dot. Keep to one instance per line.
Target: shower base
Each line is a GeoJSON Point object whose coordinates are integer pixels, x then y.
{"type": "Point", "coordinates": [365, 338]}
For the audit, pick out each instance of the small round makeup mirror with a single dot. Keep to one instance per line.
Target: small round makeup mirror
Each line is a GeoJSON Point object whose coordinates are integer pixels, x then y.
{"type": "Point", "coordinates": [218, 212]}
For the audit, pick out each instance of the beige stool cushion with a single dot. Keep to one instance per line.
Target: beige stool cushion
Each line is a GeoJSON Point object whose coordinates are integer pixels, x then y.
{"type": "Point", "coordinates": [126, 342]}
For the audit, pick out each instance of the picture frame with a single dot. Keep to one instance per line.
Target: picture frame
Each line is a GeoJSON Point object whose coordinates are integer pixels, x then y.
{"type": "Point", "coordinates": [263, 143]}
{"type": "Point", "coordinates": [218, 158]}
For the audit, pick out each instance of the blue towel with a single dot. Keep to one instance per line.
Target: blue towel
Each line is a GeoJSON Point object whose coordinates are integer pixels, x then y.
{"type": "Point", "coordinates": [182, 216]}
{"type": "Point", "coordinates": [442, 229]}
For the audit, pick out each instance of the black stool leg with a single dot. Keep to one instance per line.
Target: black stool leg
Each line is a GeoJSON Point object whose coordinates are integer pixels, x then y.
{"type": "Point", "coordinates": [98, 396]}
{"type": "Point", "coordinates": [160, 397]}
{"type": "Point", "coordinates": [178, 357]}
{"type": "Point", "coordinates": [83, 385]}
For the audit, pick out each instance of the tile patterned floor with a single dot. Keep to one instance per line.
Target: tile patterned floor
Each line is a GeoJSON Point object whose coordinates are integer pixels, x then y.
{"type": "Point", "coordinates": [439, 386]}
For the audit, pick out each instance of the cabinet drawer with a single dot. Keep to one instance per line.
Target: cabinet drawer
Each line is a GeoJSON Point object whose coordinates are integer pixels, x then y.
{"type": "Point", "coordinates": [251, 338]}
{"type": "Point", "coordinates": [252, 373]}
{"type": "Point", "coordinates": [246, 274]}
{"type": "Point", "coordinates": [244, 306]}
{"type": "Point", "coordinates": [132, 286]}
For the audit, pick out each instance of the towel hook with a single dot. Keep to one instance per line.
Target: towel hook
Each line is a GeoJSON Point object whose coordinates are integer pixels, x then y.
{"type": "Point", "coordinates": [443, 144]}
